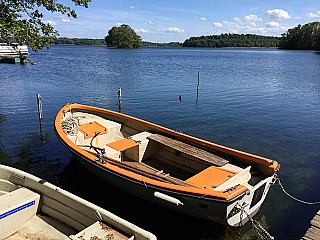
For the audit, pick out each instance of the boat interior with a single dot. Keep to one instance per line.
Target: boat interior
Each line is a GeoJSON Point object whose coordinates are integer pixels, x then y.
{"type": "Point", "coordinates": [46, 214]}
{"type": "Point", "coordinates": [139, 148]}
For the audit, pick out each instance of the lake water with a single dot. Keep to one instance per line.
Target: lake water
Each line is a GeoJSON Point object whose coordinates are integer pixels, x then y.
{"type": "Point", "coordinates": [263, 101]}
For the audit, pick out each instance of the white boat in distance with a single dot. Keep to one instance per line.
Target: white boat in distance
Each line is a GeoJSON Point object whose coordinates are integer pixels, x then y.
{"type": "Point", "coordinates": [6, 50]}
{"type": "Point", "coordinates": [31, 208]}
{"type": "Point", "coordinates": [181, 172]}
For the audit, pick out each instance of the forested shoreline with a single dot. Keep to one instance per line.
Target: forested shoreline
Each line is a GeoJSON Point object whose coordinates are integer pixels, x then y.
{"type": "Point", "coordinates": [90, 41]}
{"type": "Point", "coordinates": [79, 41]}
{"type": "Point", "coordinates": [301, 37]}
{"type": "Point", "coordinates": [232, 40]}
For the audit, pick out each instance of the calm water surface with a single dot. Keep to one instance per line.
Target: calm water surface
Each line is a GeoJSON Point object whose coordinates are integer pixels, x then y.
{"type": "Point", "coordinates": [263, 101]}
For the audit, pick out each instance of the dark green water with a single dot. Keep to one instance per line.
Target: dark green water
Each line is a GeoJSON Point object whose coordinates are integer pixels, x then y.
{"type": "Point", "coordinates": [262, 101]}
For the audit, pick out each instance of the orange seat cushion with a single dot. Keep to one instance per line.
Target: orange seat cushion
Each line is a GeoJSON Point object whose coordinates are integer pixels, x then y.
{"type": "Point", "coordinates": [211, 177]}
{"type": "Point", "coordinates": [90, 129]}
{"type": "Point", "coordinates": [123, 144]}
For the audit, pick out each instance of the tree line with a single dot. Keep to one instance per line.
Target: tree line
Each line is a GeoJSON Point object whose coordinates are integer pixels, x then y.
{"type": "Point", "coordinates": [232, 40]}
{"type": "Point", "coordinates": [170, 44]}
{"type": "Point", "coordinates": [89, 41]}
{"type": "Point", "coordinates": [79, 41]}
{"type": "Point", "coordinates": [306, 37]}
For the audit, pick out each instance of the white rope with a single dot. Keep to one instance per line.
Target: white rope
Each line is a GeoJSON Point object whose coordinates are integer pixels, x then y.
{"type": "Point", "coordinates": [294, 198]}
{"type": "Point", "coordinates": [70, 126]}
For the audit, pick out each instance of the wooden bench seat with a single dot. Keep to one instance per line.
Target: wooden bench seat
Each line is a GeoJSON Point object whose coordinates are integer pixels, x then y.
{"type": "Point", "coordinates": [211, 177]}
{"type": "Point", "coordinates": [189, 150]}
{"type": "Point", "coordinates": [91, 129]}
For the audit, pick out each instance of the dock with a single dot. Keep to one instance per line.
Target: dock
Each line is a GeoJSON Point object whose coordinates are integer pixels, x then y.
{"type": "Point", "coordinates": [313, 233]}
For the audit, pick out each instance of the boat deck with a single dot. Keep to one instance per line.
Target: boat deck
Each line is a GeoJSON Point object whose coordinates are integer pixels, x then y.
{"type": "Point", "coordinates": [155, 168]}
{"type": "Point", "coordinates": [43, 227]}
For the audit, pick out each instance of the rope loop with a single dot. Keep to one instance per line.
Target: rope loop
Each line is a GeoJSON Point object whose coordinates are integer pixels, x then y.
{"type": "Point", "coordinates": [70, 126]}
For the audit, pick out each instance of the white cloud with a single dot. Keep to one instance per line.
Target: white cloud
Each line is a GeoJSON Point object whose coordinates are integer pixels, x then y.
{"type": "Point", "coordinates": [203, 19]}
{"type": "Point", "coordinates": [272, 24]}
{"type": "Point", "coordinates": [278, 14]}
{"type": "Point", "coordinates": [65, 20]}
{"type": "Point", "coordinates": [132, 7]}
{"type": "Point", "coordinates": [141, 30]}
{"type": "Point", "coordinates": [226, 23]}
{"type": "Point", "coordinates": [119, 24]}
{"type": "Point", "coordinates": [51, 22]}
{"type": "Point", "coordinates": [252, 18]}
{"type": "Point", "coordinates": [150, 22]}
{"type": "Point", "coordinates": [252, 24]}
{"type": "Point", "coordinates": [174, 29]}
{"type": "Point", "coordinates": [314, 15]}
{"type": "Point", "coordinates": [217, 25]}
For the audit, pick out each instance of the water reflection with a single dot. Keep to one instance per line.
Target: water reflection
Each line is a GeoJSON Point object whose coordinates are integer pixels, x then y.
{"type": "Point", "coordinates": [4, 157]}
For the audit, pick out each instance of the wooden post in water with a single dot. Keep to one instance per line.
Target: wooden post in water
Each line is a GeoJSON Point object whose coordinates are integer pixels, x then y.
{"type": "Point", "coordinates": [39, 107]}
{"type": "Point", "coordinates": [198, 84]}
{"type": "Point", "coordinates": [40, 114]}
{"type": "Point", "coordinates": [119, 99]}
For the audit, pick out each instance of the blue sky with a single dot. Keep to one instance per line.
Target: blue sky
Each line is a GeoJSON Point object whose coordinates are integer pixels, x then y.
{"type": "Point", "coordinates": [166, 21]}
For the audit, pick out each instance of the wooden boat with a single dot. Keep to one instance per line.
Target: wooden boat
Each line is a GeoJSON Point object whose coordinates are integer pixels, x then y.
{"type": "Point", "coordinates": [187, 174]}
{"type": "Point", "coordinates": [31, 208]}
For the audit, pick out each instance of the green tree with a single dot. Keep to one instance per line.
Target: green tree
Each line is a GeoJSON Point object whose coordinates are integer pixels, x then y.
{"type": "Point", "coordinates": [22, 21]}
{"type": "Point", "coordinates": [304, 37]}
{"type": "Point", "coordinates": [123, 37]}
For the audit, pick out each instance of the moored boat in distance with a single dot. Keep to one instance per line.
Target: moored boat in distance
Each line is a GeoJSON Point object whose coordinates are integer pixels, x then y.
{"type": "Point", "coordinates": [13, 54]}
{"type": "Point", "coordinates": [184, 173]}
{"type": "Point", "coordinates": [16, 50]}
{"type": "Point", "coordinates": [32, 208]}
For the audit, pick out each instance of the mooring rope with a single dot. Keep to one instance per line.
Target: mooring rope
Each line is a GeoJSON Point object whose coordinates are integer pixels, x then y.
{"type": "Point", "coordinates": [292, 197]}
{"type": "Point", "coordinates": [54, 105]}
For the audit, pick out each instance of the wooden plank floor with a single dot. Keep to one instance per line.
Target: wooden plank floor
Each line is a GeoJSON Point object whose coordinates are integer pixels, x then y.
{"type": "Point", "coordinates": [313, 233]}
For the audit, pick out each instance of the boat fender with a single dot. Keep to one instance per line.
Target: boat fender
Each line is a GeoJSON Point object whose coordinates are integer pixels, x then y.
{"type": "Point", "coordinates": [168, 198]}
